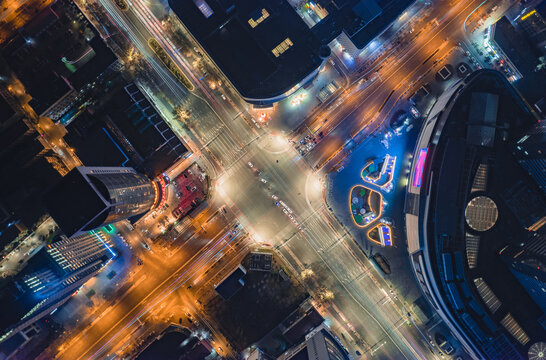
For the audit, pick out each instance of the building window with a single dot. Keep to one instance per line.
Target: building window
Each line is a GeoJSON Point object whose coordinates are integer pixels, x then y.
{"type": "Point", "coordinates": [253, 22]}
{"type": "Point", "coordinates": [282, 47]}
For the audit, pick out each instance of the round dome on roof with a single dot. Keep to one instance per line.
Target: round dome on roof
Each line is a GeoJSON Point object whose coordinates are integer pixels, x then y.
{"type": "Point", "coordinates": [537, 351]}
{"type": "Point", "coordinates": [481, 213]}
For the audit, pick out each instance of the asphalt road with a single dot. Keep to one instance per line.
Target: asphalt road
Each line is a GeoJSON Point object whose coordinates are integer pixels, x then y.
{"type": "Point", "coordinates": [394, 80]}
{"type": "Point", "coordinates": [149, 285]}
{"type": "Point", "coordinates": [364, 311]}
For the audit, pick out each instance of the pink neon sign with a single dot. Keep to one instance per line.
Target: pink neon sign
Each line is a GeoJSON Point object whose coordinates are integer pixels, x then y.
{"type": "Point", "coordinates": [419, 167]}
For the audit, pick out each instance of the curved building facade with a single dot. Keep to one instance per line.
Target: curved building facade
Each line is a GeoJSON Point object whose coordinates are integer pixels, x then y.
{"type": "Point", "coordinates": [467, 200]}
{"type": "Point", "coordinates": [263, 47]}
{"type": "Point", "coordinates": [89, 197]}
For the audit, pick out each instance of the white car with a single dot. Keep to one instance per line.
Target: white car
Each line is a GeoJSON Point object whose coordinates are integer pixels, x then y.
{"type": "Point", "coordinates": [414, 112]}
{"type": "Point", "coordinates": [250, 165]}
{"type": "Point", "coordinates": [275, 197]}
{"type": "Point", "coordinates": [263, 180]}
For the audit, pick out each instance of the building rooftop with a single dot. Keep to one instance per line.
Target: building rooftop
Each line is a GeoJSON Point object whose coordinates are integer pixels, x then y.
{"type": "Point", "coordinates": [64, 202]}
{"type": "Point", "coordinates": [231, 283]}
{"type": "Point", "coordinates": [516, 46]}
{"type": "Point", "coordinates": [262, 46]}
{"type": "Point", "coordinates": [124, 129]}
{"type": "Point", "coordinates": [360, 20]}
{"type": "Point", "coordinates": [45, 65]}
{"type": "Point", "coordinates": [260, 261]}
{"type": "Point", "coordinates": [481, 213]}
{"type": "Point", "coordinates": [478, 201]}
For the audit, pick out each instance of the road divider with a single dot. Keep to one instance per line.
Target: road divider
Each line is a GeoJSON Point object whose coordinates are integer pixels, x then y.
{"type": "Point", "coordinates": [169, 63]}
{"type": "Point", "coordinates": [122, 5]}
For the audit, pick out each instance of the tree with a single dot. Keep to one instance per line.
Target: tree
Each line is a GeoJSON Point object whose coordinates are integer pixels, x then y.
{"type": "Point", "coordinates": [181, 114]}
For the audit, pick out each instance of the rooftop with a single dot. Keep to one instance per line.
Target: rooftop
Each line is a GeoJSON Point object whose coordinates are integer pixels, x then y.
{"type": "Point", "coordinates": [481, 213]}
{"type": "Point", "coordinates": [64, 202]}
{"type": "Point", "coordinates": [516, 46]}
{"type": "Point", "coordinates": [45, 65]}
{"type": "Point", "coordinates": [262, 46]}
{"type": "Point", "coordinates": [360, 20]}
{"type": "Point", "coordinates": [231, 283]}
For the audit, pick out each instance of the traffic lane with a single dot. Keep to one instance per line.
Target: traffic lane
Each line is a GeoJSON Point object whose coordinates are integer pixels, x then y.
{"type": "Point", "coordinates": [183, 300]}
{"type": "Point", "coordinates": [355, 302]}
{"type": "Point", "coordinates": [121, 309]}
{"type": "Point", "coordinates": [338, 257]}
{"type": "Point", "coordinates": [368, 331]}
{"type": "Point", "coordinates": [417, 52]}
{"type": "Point", "coordinates": [380, 100]}
{"type": "Point", "coordinates": [242, 188]}
{"type": "Point", "coordinates": [289, 176]}
{"type": "Point", "coordinates": [131, 315]}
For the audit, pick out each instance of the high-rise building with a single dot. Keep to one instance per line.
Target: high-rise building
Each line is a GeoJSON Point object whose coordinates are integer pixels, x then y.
{"type": "Point", "coordinates": [530, 152]}
{"type": "Point", "coordinates": [534, 24]}
{"type": "Point", "coordinates": [48, 281]}
{"type": "Point", "coordinates": [467, 200]}
{"type": "Point", "coordinates": [320, 344]}
{"type": "Point", "coordinates": [528, 264]}
{"type": "Point", "coordinates": [88, 197]}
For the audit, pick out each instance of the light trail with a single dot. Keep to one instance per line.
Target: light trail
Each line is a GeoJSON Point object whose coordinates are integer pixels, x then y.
{"type": "Point", "coordinates": [169, 290]}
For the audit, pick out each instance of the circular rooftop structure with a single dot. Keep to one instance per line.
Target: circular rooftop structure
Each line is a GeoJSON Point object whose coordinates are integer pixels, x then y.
{"type": "Point", "coordinates": [537, 351]}
{"type": "Point", "coordinates": [481, 213]}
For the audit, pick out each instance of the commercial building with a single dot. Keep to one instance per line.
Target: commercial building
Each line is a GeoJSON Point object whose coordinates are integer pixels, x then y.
{"type": "Point", "coordinates": [232, 283]}
{"type": "Point", "coordinates": [527, 261]}
{"type": "Point", "coordinates": [48, 281]}
{"type": "Point", "coordinates": [533, 21]}
{"type": "Point", "coordinates": [27, 170]}
{"type": "Point", "coordinates": [267, 50]}
{"type": "Point", "coordinates": [262, 46]}
{"type": "Point", "coordinates": [530, 152]}
{"type": "Point", "coordinates": [355, 23]}
{"type": "Point", "coordinates": [120, 127]}
{"type": "Point", "coordinates": [89, 197]}
{"type": "Point", "coordinates": [319, 344]}
{"type": "Point", "coordinates": [54, 72]}
{"type": "Point", "coordinates": [467, 200]}
{"type": "Point", "coordinates": [516, 47]}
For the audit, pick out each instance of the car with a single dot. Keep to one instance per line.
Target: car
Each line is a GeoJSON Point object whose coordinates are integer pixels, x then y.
{"type": "Point", "coordinates": [290, 217]}
{"type": "Point", "coordinates": [274, 197]}
{"type": "Point", "coordinates": [414, 112]}
{"type": "Point", "coordinates": [277, 203]}
{"type": "Point", "coordinates": [408, 129]}
{"type": "Point", "coordinates": [284, 211]}
{"type": "Point", "coordinates": [263, 180]}
{"type": "Point", "coordinates": [139, 261]}
{"type": "Point", "coordinates": [250, 165]}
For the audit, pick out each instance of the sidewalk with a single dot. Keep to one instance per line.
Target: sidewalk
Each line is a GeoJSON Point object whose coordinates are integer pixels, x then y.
{"type": "Point", "coordinates": [70, 314]}
{"type": "Point", "coordinates": [340, 183]}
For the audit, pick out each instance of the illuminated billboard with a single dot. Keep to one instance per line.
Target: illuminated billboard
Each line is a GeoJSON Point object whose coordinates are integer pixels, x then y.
{"type": "Point", "coordinates": [419, 167]}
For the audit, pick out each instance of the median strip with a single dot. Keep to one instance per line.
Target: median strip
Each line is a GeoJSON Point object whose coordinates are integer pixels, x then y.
{"type": "Point", "coordinates": [170, 64]}
{"type": "Point", "coordinates": [122, 4]}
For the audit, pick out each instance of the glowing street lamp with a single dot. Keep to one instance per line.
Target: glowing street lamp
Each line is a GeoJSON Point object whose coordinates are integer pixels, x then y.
{"type": "Point", "coordinates": [297, 100]}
